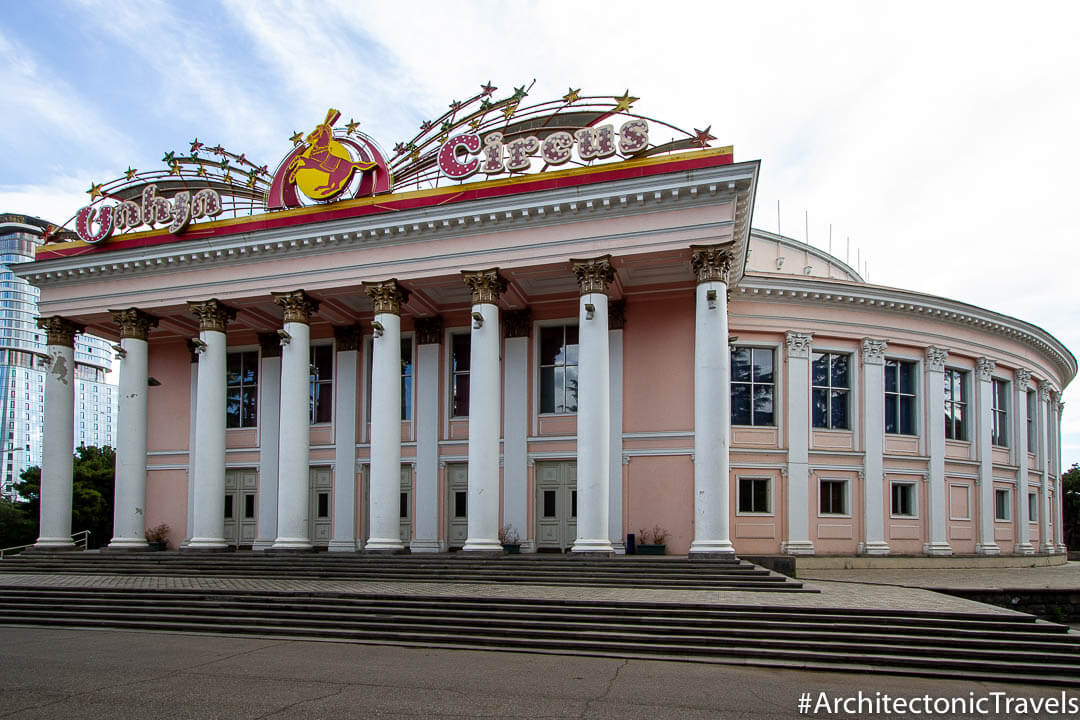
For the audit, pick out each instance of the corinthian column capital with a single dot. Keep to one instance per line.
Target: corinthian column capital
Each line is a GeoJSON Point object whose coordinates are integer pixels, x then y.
{"type": "Point", "coordinates": [212, 314]}
{"type": "Point", "coordinates": [594, 274]}
{"type": "Point", "coordinates": [297, 305]}
{"type": "Point", "coordinates": [984, 369]}
{"type": "Point", "coordinates": [486, 285]}
{"type": "Point", "coordinates": [1023, 379]}
{"type": "Point", "coordinates": [935, 358]}
{"type": "Point", "coordinates": [798, 344]}
{"type": "Point", "coordinates": [60, 330]}
{"type": "Point", "coordinates": [134, 323]}
{"type": "Point", "coordinates": [387, 295]}
{"type": "Point", "coordinates": [873, 351]}
{"type": "Point", "coordinates": [711, 263]}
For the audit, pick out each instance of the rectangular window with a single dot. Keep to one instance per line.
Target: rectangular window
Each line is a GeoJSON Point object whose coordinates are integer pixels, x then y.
{"type": "Point", "coordinates": [753, 386]}
{"type": "Point", "coordinates": [830, 383]}
{"type": "Point", "coordinates": [321, 396]}
{"type": "Point", "coordinates": [406, 379]}
{"type": "Point", "coordinates": [241, 389]}
{"type": "Point", "coordinates": [1033, 507]}
{"type": "Point", "coordinates": [999, 433]}
{"type": "Point", "coordinates": [903, 499]}
{"type": "Point", "coordinates": [754, 495]}
{"type": "Point", "coordinates": [249, 506]}
{"type": "Point", "coordinates": [460, 348]}
{"type": "Point", "coordinates": [956, 404]}
{"type": "Point", "coordinates": [403, 506]}
{"type": "Point", "coordinates": [833, 497]}
{"type": "Point", "coordinates": [1001, 504]}
{"type": "Point", "coordinates": [900, 397]}
{"type": "Point", "coordinates": [324, 505]}
{"type": "Point", "coordinates": [558, 369]}
{"type": "Point", "coordinates": [461, 503]}
{"type": "Point", "coordinates": [1032, 423]}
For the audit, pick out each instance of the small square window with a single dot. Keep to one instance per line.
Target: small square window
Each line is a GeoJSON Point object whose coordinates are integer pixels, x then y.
{"type": "Point", "coordinates": [754, 495]}
{"type": "Point", "coordinates": [833, 497]}
{"type": "Point", "coordinates": [903, 499]}
{"type": "Point", "coordinates": [1001, 504]}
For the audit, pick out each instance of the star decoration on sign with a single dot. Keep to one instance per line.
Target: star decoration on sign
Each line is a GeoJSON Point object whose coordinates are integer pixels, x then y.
{"type": "Point", "coordinates": [520, 92]}
{"type": "Point", "coordinates": [622, 104]}
{"type": "Point", "coordinates": [414, 155]}
{"type": "Point", "coordinates": [228, 177]}
{"type": "Point", "coordinates": [296, 138]}
{"type": "Point", "coordinates": [487, 88]}
{"type": "Point", "coordinates": [242, 159]}
{"type": "Point", "coordinates": [445, 127]}
{"type": "Point", "coordinates": [702, 137]}
{"type": "Point", "coordinates": [509, 110]}
{"type": "Point", "coordinates": [196, 146]}
{"type": "Point", "coordinates": [485, 104]}
{"type": "Point", "coordinates": [218, 150]}
{"type": "Point", "coordinates": [399, 148]}
{"type": "Point", "coordinates": [572, 96]}
{"type": "Point", "coordinates": [425, 126]}
{"type": "Point", "coordinates": [169, 158]}
{"type": "Point", "coordinates": [475, 123]}
{"type": "Point", "coordinates": [455, 106]}
{"type": "Point", "coordinates": [130, 172]}
{"type": "Point", "coordinates": [225, 163]}
{"type": "Point", "coordinates": [350, 127]}
{"type": "Point", "coordinates": [201, 172]}
{"type": "Point", "coordinates": [174, 168]}
{"type": "Point", "coordinates": [95, 191]}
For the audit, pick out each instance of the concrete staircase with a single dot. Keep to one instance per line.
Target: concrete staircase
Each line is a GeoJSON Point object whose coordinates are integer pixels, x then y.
{"type": "Point", "coordinates": [672, 573]}
{"type": "Point", "coordinates": [1005, 648]}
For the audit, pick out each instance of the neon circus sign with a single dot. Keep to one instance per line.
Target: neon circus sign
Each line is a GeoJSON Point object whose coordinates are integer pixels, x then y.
{"type": "Point", "coordinates": [96, 224]}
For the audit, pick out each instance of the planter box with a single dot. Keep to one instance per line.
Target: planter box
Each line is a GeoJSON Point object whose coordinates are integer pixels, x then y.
{"type": "Point", "coordinates": [644, 549]}
{"type": "Point", "coordinates": [512, 548]}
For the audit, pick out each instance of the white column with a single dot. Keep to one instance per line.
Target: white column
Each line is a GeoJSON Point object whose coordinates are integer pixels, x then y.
{"type": "Point", "coordinates": [936, 510]}
{"type": "Point", "coordinates": [269, 437]}
{"type": "Point", "coordinates": [1046, 542]}
{"type": "Point", "coordinates": [59, 435]}
{"type": "Point", "coordinates": [798, 438]}
{"type": "Point", "coordinates": [616, 321]}
{"type": "Point", "coordinates": [426, 493]}
{"type": "Point", "coordinates": [193, 392]}
{"type": "Point", "coordinates": [129, 505]}
{"type": "Point", "coordinates": [984, 370]}
{"type": "Point", "coordinates": [1059, 509]}
{"type": "Point", "coordinates": [873, 402]}
{"type": "Point", "coordinates": [518, 325]}
{"type": "Point", "coordinates": [346, 391]}
{"type": "Point", "coordinates": [208, 531]}
{"type": "Point", "coordinates": [294, 474]}
{"type": "Point", "coordinates": [712, 404]}
{"type": "Point", "coordinates": [484, 406]}
{"type": "Point", "coordinates": [384, 478]}
{"type": "Point", "coordinates": [1023, 525]}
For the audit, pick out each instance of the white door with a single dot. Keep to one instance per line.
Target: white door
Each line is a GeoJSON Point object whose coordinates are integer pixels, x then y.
{"type": "Point", "coordinates": [556, 505]}
{"type": "Point", "coordinates": [320, 505]}
{"type": "Point", "coordinates": [241, 489]}
{"type": "Point", "coordinates": [457, 504]}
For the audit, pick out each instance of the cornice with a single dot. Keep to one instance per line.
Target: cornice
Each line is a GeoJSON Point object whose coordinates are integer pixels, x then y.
{"type": "Point", "coordinates": [540, 208]}
{"type": "Point", "coordinates": [833, 293]}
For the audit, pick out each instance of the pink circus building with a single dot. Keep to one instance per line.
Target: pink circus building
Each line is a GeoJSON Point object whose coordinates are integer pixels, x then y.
{"type": "Point", "coordinates": [578, 349]}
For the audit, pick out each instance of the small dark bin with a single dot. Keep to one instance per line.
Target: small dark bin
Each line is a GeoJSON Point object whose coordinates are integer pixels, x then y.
{"type": "Point", "coordinates": [631, 543]}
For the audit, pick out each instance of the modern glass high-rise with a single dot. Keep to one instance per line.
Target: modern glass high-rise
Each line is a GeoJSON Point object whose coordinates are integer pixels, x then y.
{"type": "Point", "coordinates": [22, 377]}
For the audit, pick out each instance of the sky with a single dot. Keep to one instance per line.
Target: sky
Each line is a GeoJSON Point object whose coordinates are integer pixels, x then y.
{"type": "Point", "coordinates": [939, 137]}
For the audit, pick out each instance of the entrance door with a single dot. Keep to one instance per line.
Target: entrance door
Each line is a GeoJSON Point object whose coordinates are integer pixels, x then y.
{"type": "Point", "coordinates": [405, 503]}
{"type": "Point", "coordinates": [321, 483]}
{"type": "Point", "coordinates": [241, 487]}
{"type": "Point", "coordinates": [556, 505]}
{"type": "Point", "coordinates": [457, 504]}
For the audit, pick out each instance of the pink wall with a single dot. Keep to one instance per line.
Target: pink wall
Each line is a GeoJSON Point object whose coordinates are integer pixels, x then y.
{"type": "Point", "coordinates": [169, 404]}
{"type": "Point", "coordinates": [166, 502]}
{"type": "Point", "coordinates": [658, 364]}
{"type": "Point", "coordinates": [660, 491]}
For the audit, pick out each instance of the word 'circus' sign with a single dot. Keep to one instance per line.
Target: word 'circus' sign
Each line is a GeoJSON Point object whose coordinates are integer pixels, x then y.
{"type": "Point", "coordinates": [555, 149]}
{"type": "Point", "coordinates": [96, 224]}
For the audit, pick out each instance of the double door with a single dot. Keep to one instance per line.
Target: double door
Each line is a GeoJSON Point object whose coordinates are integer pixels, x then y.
{"type": "Point", "coordinates": [241, 491]}
{"type": "Point", "coordinates": [556, 505]}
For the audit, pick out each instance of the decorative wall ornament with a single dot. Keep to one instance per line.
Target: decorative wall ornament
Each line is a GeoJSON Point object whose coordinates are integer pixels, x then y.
{"type": "Point", "coordinates": [212, 314]}
{"type": "Point", "coordinates": [387, 295]}
{"type": "Point", "coordinates": [984, 369]}
{"type": "Point", "coordinates": [297, 305]}
{"type": "Point", "coordinates": [517, 323]}
{"type": "Point", "coordinates": [428, 330]}
{"type": "Point", "coordinates": [711, 263]}
{"type": "Point", "coordinates": [798, 344]}
{"type": "Point", "coordinates": [616, 315]}
{"type": "Point", "coordinates": [59, 330]}
{"type": "Point", "coordinates": [593, 274]}
{"type": "Point", "coordinates": [486, 285]}
{"type": "Point", "coordinates": [1044, 394]}
{"type": "Point", "coordinates": [348, 337]}
{"type": "Point", "coordinates": [134, 323]}
{"type": "Point", "coordinates": [935, 358]}
{"type": "Point", "coordinates": [1023, 379]}
{"type": "Point", "coordinates": [873, 351]}
{"type": "Point", "coordinates": [194, 350]}
{"type": "Point", "coordinates": [269, 344]}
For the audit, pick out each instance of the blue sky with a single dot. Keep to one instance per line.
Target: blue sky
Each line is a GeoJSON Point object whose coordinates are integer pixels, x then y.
{"type": "Point", "coordinates": [939, 137]}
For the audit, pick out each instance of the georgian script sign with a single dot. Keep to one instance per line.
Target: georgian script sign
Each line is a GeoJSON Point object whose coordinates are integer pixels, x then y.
{"type": "Point", "coordinates": [96, 224]}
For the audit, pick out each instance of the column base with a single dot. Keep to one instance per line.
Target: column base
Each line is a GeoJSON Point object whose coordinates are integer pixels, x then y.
{"type": "Point", "coordinates": [619, 547]}
{"type": "Point", "coordinates": [601, 546]}
{"type": "Point", "coordinates": [797, 547]}
{"type": "Point", "coordinates": [702, 555]}
{"type": "Point", "coordinates": [260, 545]}
{"type": "Point", "coordinates": [1062, 549]}
{"type": "Point", "coordinates": [60, 544]}
{"type": "Point", "coordinates": [126, 545]}
{"type": "Point", "coordinates": [937, 548]}
{"type": "Point", "coordinates": [1024, 548]}
{"type": "Point", "coordinates": [205, 545]}
{"type": "Point", "coordinates": [987, 549]}
{"type": "Point", "coordinates": [712, 548]}
{"type": "Point", "coordinates": [1048, 548]}
{"type": "Point", "coordinates": [425, 546]}
{"type": "Point", "coordinates": [341, 546]}
{"type": "Point", "coordinates": [383, 546]}
{"type": "Point", "coordinates": [291, 545]}
{"type": "Point", "coordinates": [528, 547]}
{"type": "Point", "coordinates": [484, 546]}
{"type": "Point", "coordinates": [875, 547]}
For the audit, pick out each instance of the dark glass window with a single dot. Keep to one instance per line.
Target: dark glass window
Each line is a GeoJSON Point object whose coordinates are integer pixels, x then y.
{"type": "Point", "coordinates": [754, 495]}
{"type": "Point", "coordinates": [831, 383]}
{"type": "Point", "coordinates": [573, 503]}
{"type": "Point", "coordinates": [900, 397]}
{"type": "Point", "coordinates": [241, 389]}
{"type": "Point", "coordinates": [228, 507]}
{"type": "Point", "coordinates": [903, 499]}
{"type": "Point", "coordinates": [833, 500]}
{"type": "Point", "coordinates": [558, 369]}
{"type": "Point", "coordinates": [324, 505]}
{"type": "Point", "coordinates": [956, 404]}
{"type": "Point", "coordinates": [460, 347]}
{"type": "Point", "coordinates": [461, 503]}
{"type": "Point", "coordinates": [249, 505]}
{"type": "Point", "coordinates": [406, 378]}
{"type": "Point", "coordinates": [403, 506]}
{"type": "Point", "coordinates": [999, 433]}
{"type": "Point", "coordinates": [1032, 423]}
{"type": "Point", "coordinates": [753, 386]}
{"type": "Point", "coordinates": [1001, 504]}
{"type": "Point", "coordinates": [549, 504]}
{"type": "Point", "coordinates": [321, 398]}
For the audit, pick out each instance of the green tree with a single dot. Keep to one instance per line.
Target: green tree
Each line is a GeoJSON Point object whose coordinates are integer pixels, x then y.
{"type": "Point", "coordinates": [93, 478]}
{"type": "Point", "coordinates": [16, 527]}
{"type": "Point", "coordinates": [1070, 490]}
